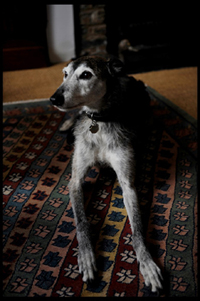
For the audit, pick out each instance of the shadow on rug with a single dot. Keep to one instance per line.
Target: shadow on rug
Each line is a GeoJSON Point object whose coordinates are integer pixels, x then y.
{"type": "Point", "coordinates": [39, 234]}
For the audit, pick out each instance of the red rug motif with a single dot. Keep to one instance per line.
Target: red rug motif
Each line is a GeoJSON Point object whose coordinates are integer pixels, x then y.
{"type": "Point", "coordinates": [39, 234]}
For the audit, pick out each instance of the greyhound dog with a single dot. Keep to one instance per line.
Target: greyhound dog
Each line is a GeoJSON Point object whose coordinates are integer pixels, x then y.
{"type": "Point", "coordinates": [112, 109]}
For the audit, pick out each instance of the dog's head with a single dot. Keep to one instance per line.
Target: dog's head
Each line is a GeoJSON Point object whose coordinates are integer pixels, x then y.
{"type": "Point", "coordinates": [85, 82]}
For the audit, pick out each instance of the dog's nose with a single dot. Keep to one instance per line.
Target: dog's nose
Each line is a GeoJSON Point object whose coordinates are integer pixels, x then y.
{"type": "Point", "coordinates": [53, 100]}
{"type": "Point", "coordinates": [57, 99]}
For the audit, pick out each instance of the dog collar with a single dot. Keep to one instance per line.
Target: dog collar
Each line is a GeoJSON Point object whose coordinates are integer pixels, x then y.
{"type": "Point", "coordinates": [94, 127]}
{"type": "Point", "coordinates": [95, 116]}
{"type": "Point", "coordinates": [106, 117]}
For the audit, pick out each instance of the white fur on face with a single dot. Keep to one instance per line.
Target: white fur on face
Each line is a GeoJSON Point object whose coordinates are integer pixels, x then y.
{"type": "Point", "coordinates": [80, 92]}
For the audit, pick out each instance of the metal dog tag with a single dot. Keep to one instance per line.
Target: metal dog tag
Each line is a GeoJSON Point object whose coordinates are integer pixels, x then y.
{"type": "Point", "coordinates": [94, 127]}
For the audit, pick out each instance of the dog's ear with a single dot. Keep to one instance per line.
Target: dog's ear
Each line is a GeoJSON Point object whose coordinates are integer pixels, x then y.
{"type": "Point", "coordinates": [116, 67]}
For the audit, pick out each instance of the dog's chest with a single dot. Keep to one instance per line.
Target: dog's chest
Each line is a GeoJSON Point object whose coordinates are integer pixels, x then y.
{"type": "Point", "coordinates": [97, 145]}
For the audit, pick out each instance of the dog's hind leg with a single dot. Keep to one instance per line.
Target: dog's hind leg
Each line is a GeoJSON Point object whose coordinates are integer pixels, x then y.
{"type": "Point", "coordinates": [86, 258]}
{"type": "Point", "coordinates": [150, 271]}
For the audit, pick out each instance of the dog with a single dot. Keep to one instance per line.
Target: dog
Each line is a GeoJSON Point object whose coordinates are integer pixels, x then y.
{"type": "Point", "coordinates": [111, 109]}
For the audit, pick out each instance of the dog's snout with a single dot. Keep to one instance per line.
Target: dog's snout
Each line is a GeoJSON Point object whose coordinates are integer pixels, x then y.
{"type": "Point", "coordinates": [57, 99]}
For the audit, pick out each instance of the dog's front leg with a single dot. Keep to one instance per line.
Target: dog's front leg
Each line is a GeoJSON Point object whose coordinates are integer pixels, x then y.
{"type": "Point", "coordinates": [86, 258]}
{"type": "Point", "coordinates": [148, 268]}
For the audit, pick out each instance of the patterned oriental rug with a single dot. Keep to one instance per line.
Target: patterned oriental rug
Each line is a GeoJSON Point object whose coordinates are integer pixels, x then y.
{"type": "Point", "coordinates": [39, 235]}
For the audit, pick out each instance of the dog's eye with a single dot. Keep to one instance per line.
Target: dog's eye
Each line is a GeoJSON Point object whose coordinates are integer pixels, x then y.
{"type": "Point", "coordinates": [86, 75]}
{"type": "Point", "coordinates": [65, 74]}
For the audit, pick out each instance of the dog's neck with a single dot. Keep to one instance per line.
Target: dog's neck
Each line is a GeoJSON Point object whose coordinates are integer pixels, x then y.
{"type": "Point", "coordinates": [104, 115]}
{"type": "Point", "coordinates": [97, 116]}
{"type": "Point", "coordinates": [108, 110]}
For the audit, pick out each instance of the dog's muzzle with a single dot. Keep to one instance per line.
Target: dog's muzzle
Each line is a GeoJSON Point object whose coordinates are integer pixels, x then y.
{"type": "Point", "coordinates": [57, 99]}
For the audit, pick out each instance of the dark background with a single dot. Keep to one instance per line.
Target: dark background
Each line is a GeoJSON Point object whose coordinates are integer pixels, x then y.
{"type": "Point", "coordinates": [24, 36]}
{"type": "Point", "coordinates": [166, 37]}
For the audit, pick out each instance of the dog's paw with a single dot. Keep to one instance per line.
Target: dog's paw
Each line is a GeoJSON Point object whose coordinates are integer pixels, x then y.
{"type": "Point", "coordinates": [66, 125]}
{"type": "Point", "coordinates": [152, 275]}
{"type": "Point", "coordinates": [87, 265]}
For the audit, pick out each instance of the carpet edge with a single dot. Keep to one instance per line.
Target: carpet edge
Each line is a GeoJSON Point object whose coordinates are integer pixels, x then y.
{"type": "Point", "coordinates": [174, 107]}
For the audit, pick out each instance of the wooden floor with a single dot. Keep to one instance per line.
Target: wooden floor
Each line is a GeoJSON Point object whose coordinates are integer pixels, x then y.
{"type": "Point", "coordinates": [178, 85]}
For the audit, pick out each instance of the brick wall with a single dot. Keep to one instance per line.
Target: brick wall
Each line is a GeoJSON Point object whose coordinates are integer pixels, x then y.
{"type": "Point", "coordinates": [93, 29]}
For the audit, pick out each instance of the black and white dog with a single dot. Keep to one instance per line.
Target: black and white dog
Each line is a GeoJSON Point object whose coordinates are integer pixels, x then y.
{"type": "Point", "coordinates": [112, 111]}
